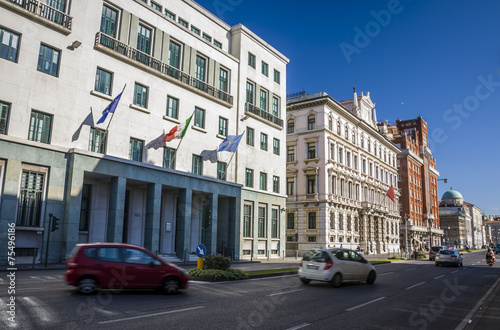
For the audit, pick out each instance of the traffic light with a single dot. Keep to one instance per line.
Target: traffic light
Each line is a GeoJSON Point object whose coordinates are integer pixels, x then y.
{"type": "Point", "coordinates": [55, 224]}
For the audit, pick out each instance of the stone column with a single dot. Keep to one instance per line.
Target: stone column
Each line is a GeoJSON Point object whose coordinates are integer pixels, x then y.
{"type": "Point", "coordinates": [153, 208]}
{"type": "Point", "coordinates": [211, 230]}
{"type": "Point", "coordinates": [116, 209]}
{"type": "Point", "coordinates": [183, 228]}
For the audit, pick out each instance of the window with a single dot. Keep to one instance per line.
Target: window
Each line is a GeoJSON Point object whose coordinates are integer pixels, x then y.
{"type": "Point", "coordinates": [311, 220]}
{"type": "Point", "coordinates": [330, 123]}
{"type": "Point", "coordinates": [332, 220]}
{"type": "Point", "coordinates": [311, 122]}
{"type": "Point", "coordinates": [207, 37]}
{"type": "Point", "coordinates": [311, 239]}
{"type": "Point", "coordinates": [290, 186]}
{"type": "Point", "coordinates": [263, 141]}
{"type": "Point", "coordinates": [4, 116]}
{"type": "Point", "coordinates": [170, 14]}
{"type": "Point", "coordinates": [197, 165]}
{"type": "Point", "coordinates": [222, 126]}
{"type": "Point", "coordinates": [201, 65]}
{"type": "Point", "coordinates": [348, 158]}
{"type": "Point", "coordinates": [250, 92]}
{"type": "Point", "coordinates": [9, 45]}
{"type": "Point", "coordinates": [263, 99]}
{"type": "Point", "coordinates": [290, 221]}
{"type": "Point", "coordinates": [346, 133]}
{"type": "Point", "coordinates": [290, 154]}
{"type": "Point", "coordinates": [248, 177]}
{"type": "Point", "coordinates": [338, 127]}
{"type": "Point", "coordinates": [334, 185]}
{"type": "Point", "coordinates": [332, 151]}
{"type": "Point", "coordinates": [156, 6]}
{"type": "Point", "coordinates": [251, 60]}
{"type": "Point", "coordinates": [355, 162]}
{"type": "Point", "coordinates": [195, 30]}
{"type": "Point", "coordinates": [311, 150]}
{"type": "Point", "coordinates": [341, 156]}
{"type": "Point", "coordinates": [29, 209]}
{"type": "Point", "coordinates": [247, 220]}
{"type": "Point", "coordinates": [141, 95]}
{"type": "Point", "coordinates": [265, 69]}
{"type": "Point", "coordinates": [97, 142]}
{"type": "Point", "coordinates": [262, 221]}
{"type": "Point", "coordinates": [144, 38]}
{"type": "Point", "coordinates": [183, 22]}
{"type": "Point", "coordinates": [250, 136]}
{"type": "Point", "coordinates": [263, 181]}
{"type": "Point", "coordinates": [168, 158]}
{"type": "Point", "coordinates": [48, 60]}
{"type": "Point", "coordinates": [199, 117]}
{"type": "Point", "coordinates": [276, 184]}
{"type": "Point", "coordinates": [221, 170]}
{"type": "Point", "coordinates": [108, 21]}
{"type": "Point", "coordinates": [174, 55]}
{"type": "Point", "coordinates": [276, 146]}
{"type": "Point", "coordinates": [290, 126]}
{"type": "Point", "coordinates": [223, 76]}
{"type": "Point", "coordinates": [103, 81]}
{"type": "Point", "coordinates": [85, 208]}
{"type": "Point", "coordinates": [276, 76]}
{"type": "Point", "coordinates": [172, 107]}
{"type": "Point", "coordinates": [217, 43]}
{"type": "Point", "coordinates": [341, 221]}
{"type": "Point", "coordinates": [40, 127]}
{"type": "Point", "coordinates": [274, 222]}
{"type": "Point", "coordinates": [311, 184]}
{"type": "Point", "coordinates": [276, 106]}
{"type": "Point", "coordinates": [136, 149]}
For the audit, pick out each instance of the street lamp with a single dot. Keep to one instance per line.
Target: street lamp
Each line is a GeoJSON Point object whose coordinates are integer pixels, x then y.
{"type": "Point", "coordinates": [430, 218]}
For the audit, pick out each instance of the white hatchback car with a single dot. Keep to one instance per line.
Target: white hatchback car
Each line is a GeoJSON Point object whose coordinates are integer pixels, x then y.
{"type": "Point", "coordinates": [449, 257]}
{"type": "Point", "coordinates": [335, 266]}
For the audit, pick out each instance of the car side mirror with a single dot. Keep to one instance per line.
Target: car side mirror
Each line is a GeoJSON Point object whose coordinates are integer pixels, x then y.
{"type": "Point", "coordinates": [155, 263]}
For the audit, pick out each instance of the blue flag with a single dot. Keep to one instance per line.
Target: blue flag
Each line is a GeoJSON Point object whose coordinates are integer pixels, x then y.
{"type": "Point", "coordinates": [110, 108]}
{"type": "Point", "coordinates": [230, 143]}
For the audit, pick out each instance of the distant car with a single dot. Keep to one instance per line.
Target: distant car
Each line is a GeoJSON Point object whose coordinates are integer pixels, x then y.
{"type": "Point", "coordinates": [94, 266]}
{"type": "Point", "coordinates": [434, 250]}
{"type": "Point", "coordinates": [449, 257]}
{"type": "Point", "coordinates": [335, 266]}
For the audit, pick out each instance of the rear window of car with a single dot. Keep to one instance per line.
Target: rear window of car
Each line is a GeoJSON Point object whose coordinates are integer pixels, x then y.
{"type": "Point", "coordinates": [311, 254]}
{"type": "Point", "coordinates": [73, 252]}
{"type": "Point", "coordinates": [446, 252]}
{"type": "Point", "coordinates": [437, 248]}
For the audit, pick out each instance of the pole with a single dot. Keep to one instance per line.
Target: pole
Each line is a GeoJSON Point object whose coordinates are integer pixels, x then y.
{"type": "Point", "coordinates": [109, 123]}
{"type": "Point", "coordinates": [406, 234]}
{"type": "Point", "coordinates": [48, 239]}
{"type": "Point", "coordinates": [231, 158]}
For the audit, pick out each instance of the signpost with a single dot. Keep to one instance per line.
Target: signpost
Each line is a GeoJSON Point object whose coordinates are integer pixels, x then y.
{"type": "Point", "coordinates": [201, 251]}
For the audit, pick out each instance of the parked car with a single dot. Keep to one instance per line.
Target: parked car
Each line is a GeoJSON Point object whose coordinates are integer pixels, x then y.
{"type": "Point", "coordinates": [449, 257]}
{"type": "Point", "coordinates": [94, 266]}
{"type": "Point", "coordinates": [335, 266]}
{"type": "Point", "coordinates": [497, 251]}
{"type": "Point", "coordinates": [434, 250]}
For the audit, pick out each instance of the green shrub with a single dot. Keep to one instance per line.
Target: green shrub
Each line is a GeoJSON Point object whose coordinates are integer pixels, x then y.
{"type": "Point", "coordinates": [216, 262]}
{"type": "Point", "coordinates": [421, 255]}
{"type": "Point", "coordinates": [397, 258]}
{"type": "Point", "coordinates": [218, 275]}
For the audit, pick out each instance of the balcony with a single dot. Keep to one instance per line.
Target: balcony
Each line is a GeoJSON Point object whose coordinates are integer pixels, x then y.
{"type": "Point", "coordinates": [164, 70]}
{"type": "Point", "coordinates": [252, 109]}
{"type": "Point", "coordinates": [39, 11]}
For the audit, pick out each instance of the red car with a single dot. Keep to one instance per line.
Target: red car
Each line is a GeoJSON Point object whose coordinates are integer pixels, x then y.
{"type": "Point", "coordinates": [94, 266]}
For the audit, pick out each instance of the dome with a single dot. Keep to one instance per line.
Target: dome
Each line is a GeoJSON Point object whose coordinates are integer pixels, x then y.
{"type": "Point", "coordinates": [452, 194]}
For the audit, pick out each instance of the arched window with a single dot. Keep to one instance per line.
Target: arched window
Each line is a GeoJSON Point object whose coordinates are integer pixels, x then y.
{"type": "Point", "coordinates": [338, 127]}
{"type": "Point", "coordinates": [341, 222]}
{"type": "Point", "coordinates": [362, 142]}
{"type": "Point", "coordinates": [311, 122]}
{"type": "Point", "coordinates": [330, 123]}
{"type": "Point", "coordinates": [346, 132]}
{"type": "Point", "coordinates": [291, 126]}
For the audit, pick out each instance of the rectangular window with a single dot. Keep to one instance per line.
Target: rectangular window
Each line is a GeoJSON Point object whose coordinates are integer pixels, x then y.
{"type": "Point", "coordinates": [290, 154]}
{"type": "Point", "coordinates": [311, 150]}
{"type": "Point", "coordinates": [168, 158]}
{"type": "Point", "coordinates": [341, 156]}
{"type": "Point", "coordinates": [195, 30]}
{"type": "Point", "coordinates": [197, 165]}
{"type": "Point", "coordinates": [85, 208]}
{"type": "Point", "coordinates": [290, 186]}
{"type": "Point", "coordinates": [217, 43]}
{"type": "Point", "coordinates": [263, 141]}
{"type": "Point", "coordinates": [247, 220]}
{"type": "Point", "coordinates": [263, 181]}
{"type": "Point", "coordinates": [223, 77]}
{"type": "Point", "coordinates": [221, 170]}
{"type": "Point", "coordinates": [183, 22]}
{"type": "Point", "coordinates": [222, 126]}
{"type": "Point", "coordinates": [9, 45]}
{"type": "Point", "coordinates": [169, 14]}
{"type": "Point", "coordinates": [136, 149]}
{"type": "Point", "coordinates": [156, 6]}
{"type": "Point", "coordinates": [4, 116]}
{"type": "Point", "coordinates": [265, 69]}
{"type": "Point", "coordinates": [144, 39]}
{"type": "Point", "coordinates": [40, 127]}
{"type": "Point", "coordinates": [109, 21]}
{"type": "Point", "coordinates": [250, 92]}
{"type": "Point", "coordinates": [199, 117]}
{"type": "Point", "coordinates": [48, 60]}
{"type": "Point", "coordinates": [262, 221]}
{"type": "Point", "coordinates": [141, 95]}
{"type": "Point", "coordinates": [174, 55]}
{"type": "Point", "coordinates": [311, 184]}
{"type": "Point", "coordinates": [311, 220]}
{"type": "Point", "coordinates": [201, 65]}
{"type": "Point", "coordinates": [251, 60]}
{"type": "Point", "coordinates": [248, 177]}
{"type": "Point", "coordinates": [30, 200]}
{"type": "Point", "coordinates": [276, 76]}
{"type": "Point", "coordinates": [290, 221]}
{"type": "Point", "coordinates": [311, 239]}
{"type": "Point", "coordinates": [97, 142]}
{"type": "Point", "coordinates": [276, 146]}
{"type": "Point", "coordinates": [207, 37]}
{"type": "Point", "coordinates": [348, 158]}
{"type": "Point", "coordinates": [250, 136]}
{"type": "Point", "coordinates": [103, 81]}
{"type": "Point", "coordinates": [275, 222]}
{"type": "Point", "coordinates": [172, 107]}
{"type": "Point", "coordinates": [263, 99]}
{"type": "Point", "coordinates": [276, 184]}
{"type": "Point", "coordinates": [276, 106]}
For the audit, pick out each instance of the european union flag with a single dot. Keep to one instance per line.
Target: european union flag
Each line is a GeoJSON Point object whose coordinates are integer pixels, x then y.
{"type": "Point", "coordinates": [230, 143]}
{"type": "Point", "coordinates": [110, 108]}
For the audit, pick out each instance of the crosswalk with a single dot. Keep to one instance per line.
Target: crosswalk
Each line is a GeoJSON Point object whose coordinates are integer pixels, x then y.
{"type": "Point", "coordinates": [36, 278]}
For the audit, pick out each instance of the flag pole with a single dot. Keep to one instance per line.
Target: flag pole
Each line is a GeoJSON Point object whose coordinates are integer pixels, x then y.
{"type": "Point", "coordinates": [107, 127]}
{"type": "Point", "coordinates": [175, 153]}
{"type": "Point", "coordinates": [232, 157]}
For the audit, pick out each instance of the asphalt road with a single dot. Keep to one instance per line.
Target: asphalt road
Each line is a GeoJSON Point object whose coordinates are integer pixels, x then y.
{"type": "Point", "coordinates": [408, 295]}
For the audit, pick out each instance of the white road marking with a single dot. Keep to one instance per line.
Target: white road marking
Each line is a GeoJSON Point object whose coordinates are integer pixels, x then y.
{"type": "Point", "coordinates": [40, 311]}
{"type": "Point", "coordinates": [105, 312]}
{"type": "Point", "coordinates": [455, 271]}
{"type": "Point", "coordinates": [409, 269]}
{"type": "Point", "coordinates": [439, 277]}
{"type": "Point", "coordinates": [366, 303]}
{"type": "Point", "coordinates": [303, 325]}
{"type": "Point", "coordinates": [150, 315]}
{"type": "Point", "coordinates": [385, 273]}
{"type": "Point", "coordinates": [411, 287]}
{"type": "Point", "coordinates": [280, 293]}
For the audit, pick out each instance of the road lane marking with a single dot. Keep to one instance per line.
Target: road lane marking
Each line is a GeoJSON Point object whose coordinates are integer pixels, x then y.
{"type": "Point", "coordinates": [303, 325]}
{"type": "Point", "coordinates": [439, 277]}
{"type": "Point", "coordinates": [465, 268]}
{"type": "Point", "coordinates": [280, 293]}
{"type": "Point", "coordinates": [40, 311]}
{"type": "Point", "coordinates": [150, 315]}
{"type": "Point", "coordinates": [362, 305]}
{"type": "Point", "coordinates": [385, 273]}
{"type": "Point", "coordinates": [411, 287]}
{"type": "Point", "coordinates": [455, 271]}
{"type": "Point", "coordinates": [409, 269]}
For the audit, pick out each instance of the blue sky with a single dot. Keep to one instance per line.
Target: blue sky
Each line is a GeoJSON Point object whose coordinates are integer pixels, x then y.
{"type": "Point", "coordinates": [436, 59]}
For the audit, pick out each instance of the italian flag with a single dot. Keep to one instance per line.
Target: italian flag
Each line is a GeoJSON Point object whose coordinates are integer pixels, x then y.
{"type": "Point", "coordinates": [178, 132]}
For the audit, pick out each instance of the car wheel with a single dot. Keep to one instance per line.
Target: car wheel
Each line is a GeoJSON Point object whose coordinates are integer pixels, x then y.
{"type": "Point", "coordinates": [87, 285]}
{"type": "Point", "coordinates": [170, 285]}
{"type": "Point", "coordinates": [305, 280]}
{"type": "Point", "coordinates": [371, 277]}
{"type": "Point", "coordinates": [336, 280]}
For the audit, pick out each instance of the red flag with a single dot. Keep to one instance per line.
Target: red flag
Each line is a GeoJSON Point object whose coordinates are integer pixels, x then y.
{"type": "Point", "coordinates": [390, 194]}
{"type": "Point", "coordinates": [177, 132]}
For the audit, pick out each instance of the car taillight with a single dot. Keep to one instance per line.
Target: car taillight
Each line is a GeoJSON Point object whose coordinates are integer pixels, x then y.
{"type": "Point", "coordinates": [438, 255]}
{"type": "Point", "coordinates": [329, 264]}
{"type": "Point", "coordinates": [453, 256]}
{"type": "Point", "coordinates": [300, 264]}
{"type": "Point", "coordinates": [72, 265]}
